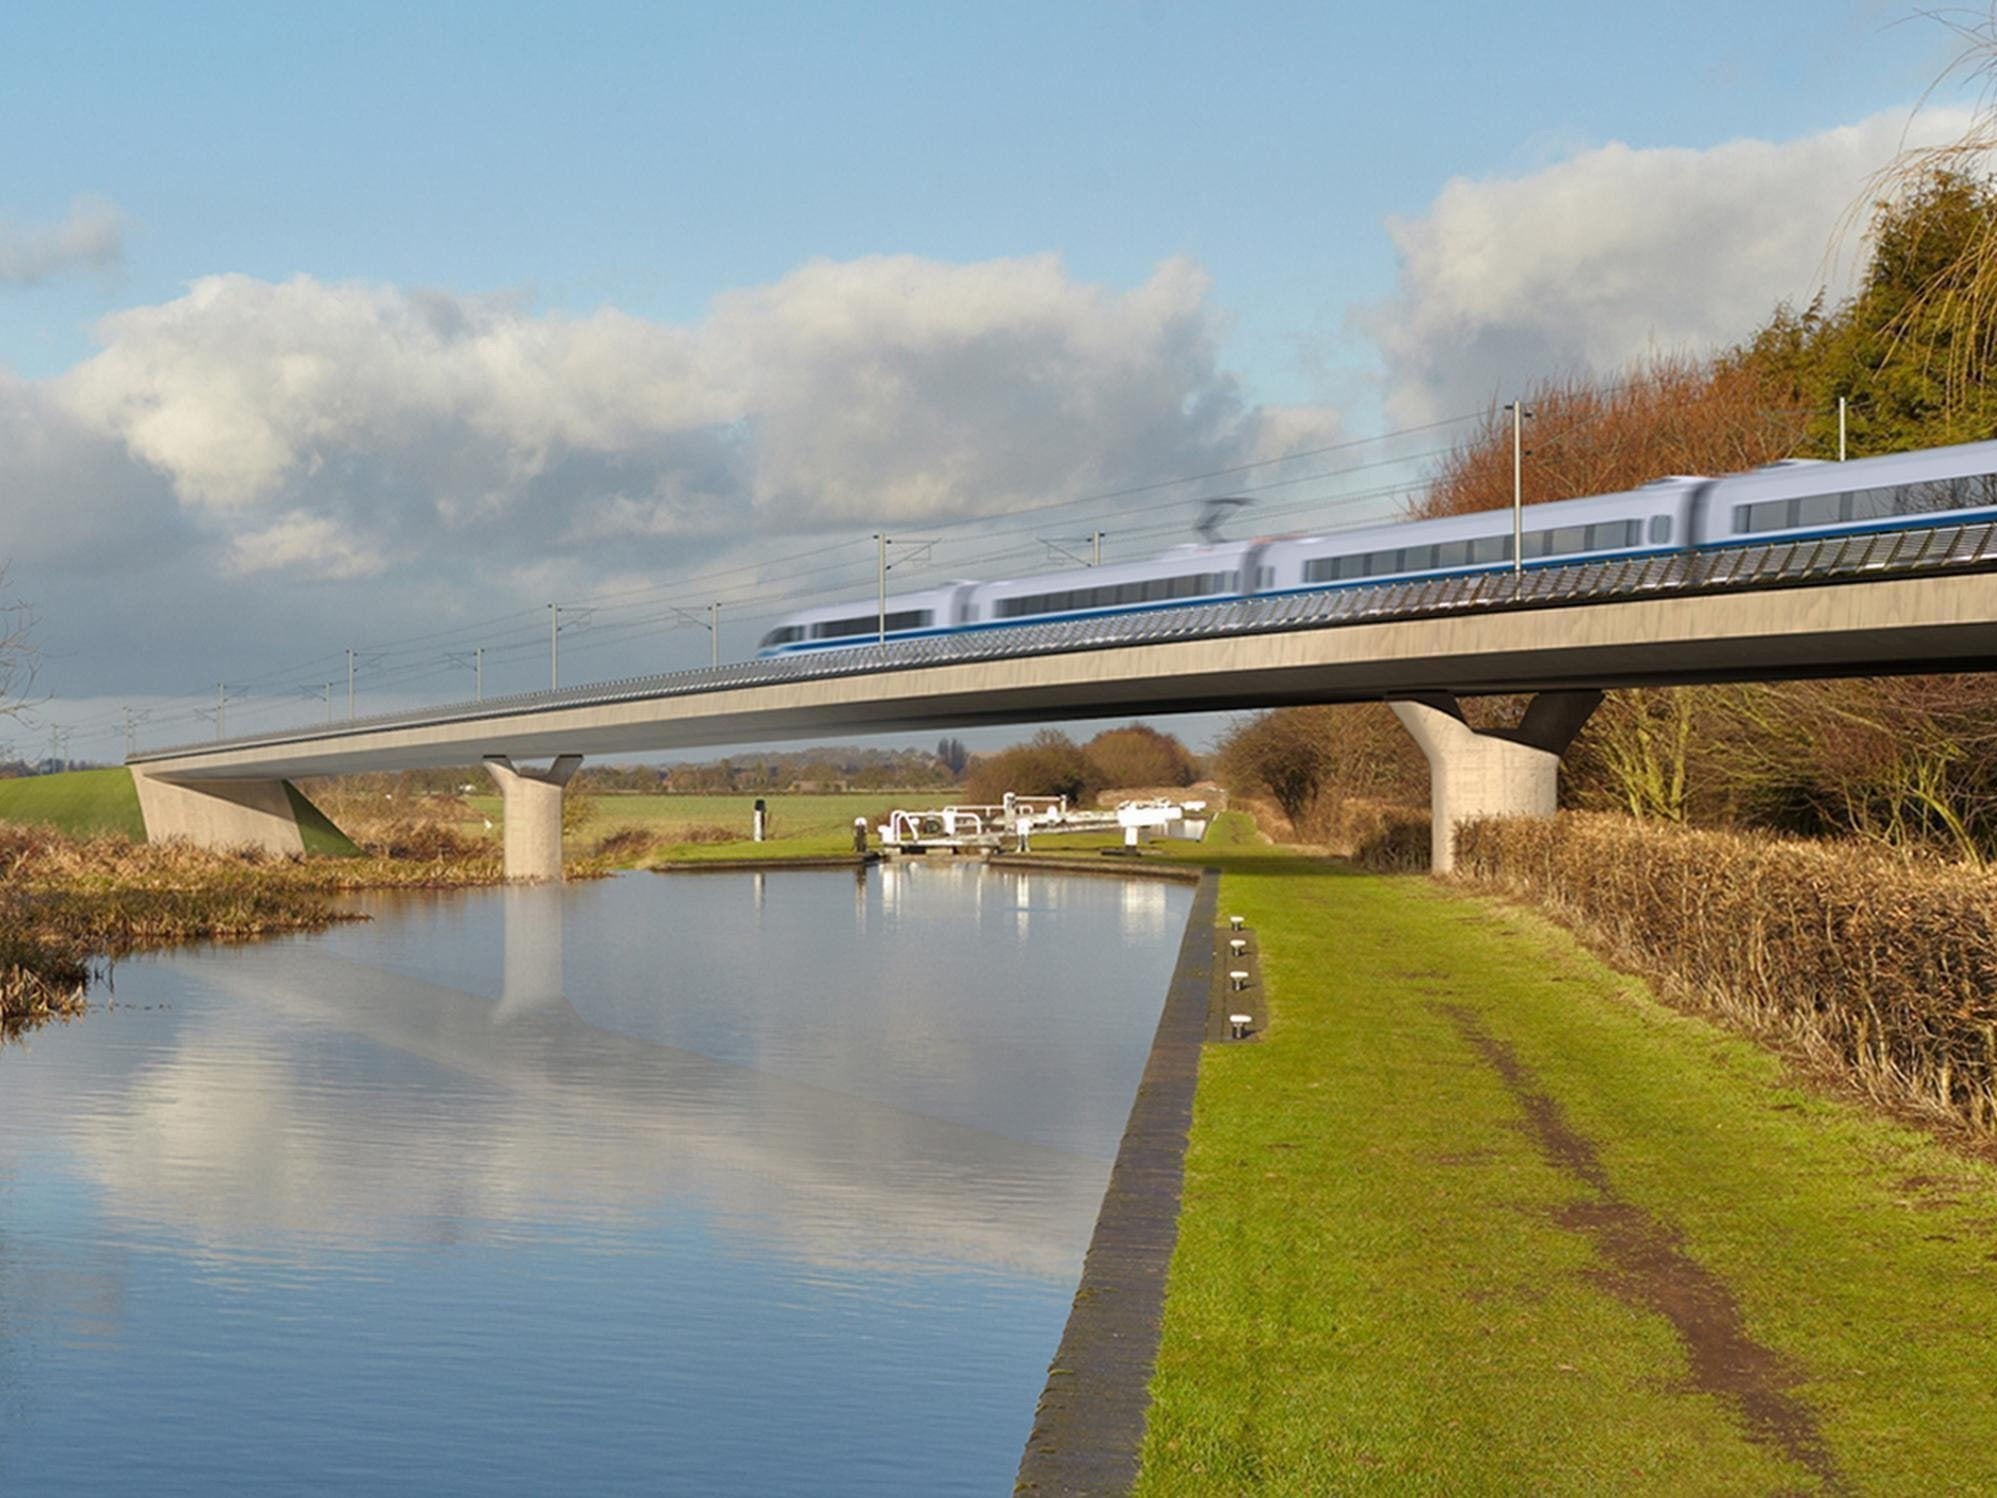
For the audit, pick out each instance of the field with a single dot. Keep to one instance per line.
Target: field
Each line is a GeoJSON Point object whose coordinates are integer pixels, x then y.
{"type": "Point", "coordinates": [82, 803]}
{"type": "Point", "coordinates": [695, 826]}
{"type": "Point", "coordinates": [1479, 1214]}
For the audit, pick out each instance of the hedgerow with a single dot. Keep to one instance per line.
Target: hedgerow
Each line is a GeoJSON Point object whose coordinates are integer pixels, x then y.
{"type": "Point", "coordinates": [1883, 964]}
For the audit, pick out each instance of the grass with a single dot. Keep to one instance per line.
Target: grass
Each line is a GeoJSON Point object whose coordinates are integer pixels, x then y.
{"type": "Point", "coordinates": [683, 828]}
{"type": "Point", "coordinates": [82, 803]}
{"type": "Point", "coordinates": [316, 829]}
{"type": "Point", "coordinates": [1384, 1283]}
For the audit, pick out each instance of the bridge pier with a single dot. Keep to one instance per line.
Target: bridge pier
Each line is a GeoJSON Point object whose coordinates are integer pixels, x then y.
{"type": "Point", "coordinates": [1493, 772]}
{"type": "Point", "coordinates": [531, 802]}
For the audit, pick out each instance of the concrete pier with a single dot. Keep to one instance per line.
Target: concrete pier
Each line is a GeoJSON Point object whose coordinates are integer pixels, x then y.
{"type": "Point", "coordinates": [1496, 772]}
{"type": "Point", "coordinates": [533, 813]}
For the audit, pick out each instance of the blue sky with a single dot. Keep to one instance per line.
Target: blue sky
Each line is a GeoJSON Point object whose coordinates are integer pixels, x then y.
{"type": "Point", "coordinates": [652, 155]}
{"type": "Point", "coordinates": [1304, 222]}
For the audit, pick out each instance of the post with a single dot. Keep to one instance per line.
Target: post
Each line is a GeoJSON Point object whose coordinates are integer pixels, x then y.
{"type": "Point", "coordinates": [221, 712]}
{"type": "Point", "coordinates": [714, 634]}
{"type": "Point", "coordinates": [478, 673]}
{"type": "Point", "coordinates": [329, 704]}
{"type": "Point", "coordinates": [350, 686]}
{"type": "Point", "coordinates": [1096, 551]}
{"type": "Point", "coordinates": [554, 650]}
{"type": "Point", "coordinates": [1518, 487]}
{"type": "Point", "coordinates": [881, 570]}
{"type": "Point", "coordinates": [859, 834]}
{"type": "Point", "coordinates": [1840, 429]}
{"type": "Point", "coordinates": [762, 813]}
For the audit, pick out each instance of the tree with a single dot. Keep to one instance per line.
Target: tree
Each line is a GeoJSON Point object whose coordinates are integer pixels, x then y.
{"type": "Point", "coordinates": [17, 652]}
{"type": "Point", "coordinates": [952, 755]}
{"type": "Point", "coordinates": [1048, 764]}
{"type": "Point", "coordinates": [1139, 755]}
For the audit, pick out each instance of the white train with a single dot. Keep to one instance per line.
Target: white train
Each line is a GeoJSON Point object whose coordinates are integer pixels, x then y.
{"type": "Point", "coordinates": [1788, 500]}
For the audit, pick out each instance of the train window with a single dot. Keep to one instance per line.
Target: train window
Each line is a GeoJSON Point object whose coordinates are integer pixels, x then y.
{"type": "Point", "coordinates": [841, 629]}
{"type": "Point", "coordinates": [1660, 529]}
{"type": "Point", "coordinates": [1562, 540]}
{"type": "Point", "coordinates": [1487, 549]}
{"type": "Point", "coordinates": [785, 636]}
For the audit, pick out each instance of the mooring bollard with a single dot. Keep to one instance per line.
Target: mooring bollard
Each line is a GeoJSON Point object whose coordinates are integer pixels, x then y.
{"type": "Point", "coordinates": [1239, 1024]}
{"type": "Point", "coordinates": [1234, 922]}
{"type": "Point", "coordinates": [1239, 979]}
{"type": "Point", "coordinates": [762, 812]}
{"type": "Point", "coordinates": [859, 834]}
{"type": "Point", "coordinates": [1236, 947]}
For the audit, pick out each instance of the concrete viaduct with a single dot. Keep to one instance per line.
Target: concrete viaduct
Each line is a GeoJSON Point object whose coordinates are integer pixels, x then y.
{"type": "Point", "coordinates": [1564, 634]}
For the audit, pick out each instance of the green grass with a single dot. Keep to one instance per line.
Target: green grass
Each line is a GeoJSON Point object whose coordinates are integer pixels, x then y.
{"type": "Point", "coordinates": [1372, 1292]}
{"type": "Point", "coordinates": [316, 829]}
{"type": "Point", "coordinates": [801, 817]}
{"type": "Point", "coordinates": [82, 803]}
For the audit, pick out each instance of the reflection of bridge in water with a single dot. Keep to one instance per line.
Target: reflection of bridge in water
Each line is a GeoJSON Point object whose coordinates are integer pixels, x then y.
{"type": "Point", "coordinates": [565, 1100]}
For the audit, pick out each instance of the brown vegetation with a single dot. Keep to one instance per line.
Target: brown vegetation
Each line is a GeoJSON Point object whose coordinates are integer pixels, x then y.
{"type": "Point", "coordinates": [1140, 755]}
{"type": "Point", "coordinates": [1052, 764]}
{"type": "Point", "coordinates": [1884, 966]}
{"type": "Point", "coordinates": [1668, 414]}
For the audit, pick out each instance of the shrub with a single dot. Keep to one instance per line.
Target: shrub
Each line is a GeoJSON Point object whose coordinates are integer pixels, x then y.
{"type": "Point", "coordinates": [1380, 835]}
{"type": "Point", "coordinates": [1887, 965]}
{"type": "Point", "coordinates": [1048, 764]}
{"type": "Point", "coordinates": [1140, 755]}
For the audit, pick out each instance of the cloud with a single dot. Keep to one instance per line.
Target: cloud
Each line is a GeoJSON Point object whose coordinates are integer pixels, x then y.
{"type": "Point", "coordinates": [883, 389]}
{"type": "Point", "coordinates": [259, 460]}
{"type": "Point", "coordinates": [1616, 251]}
{"type": "Point", "coordinates": [306, 543]}
{"type": "Point", "coordinates": [91, 237]}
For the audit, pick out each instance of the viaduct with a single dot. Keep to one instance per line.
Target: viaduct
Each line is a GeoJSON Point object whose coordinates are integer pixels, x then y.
{"type": "Point", "coordinates": [1898, 602]}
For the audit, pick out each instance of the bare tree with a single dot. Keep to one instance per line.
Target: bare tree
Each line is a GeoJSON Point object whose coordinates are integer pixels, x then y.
{"type": "Point", "coordinates": [17, 652]}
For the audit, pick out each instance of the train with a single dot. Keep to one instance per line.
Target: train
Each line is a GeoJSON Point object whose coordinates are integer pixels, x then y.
{"type": "Point", "coordinates": [1795, 499]}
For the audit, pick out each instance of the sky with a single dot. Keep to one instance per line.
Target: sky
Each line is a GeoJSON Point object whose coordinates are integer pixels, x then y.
{"type": "Point", "coordinates": [383, 327]}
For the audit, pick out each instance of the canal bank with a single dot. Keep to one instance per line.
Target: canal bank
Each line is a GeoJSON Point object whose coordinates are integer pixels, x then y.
{"type": "Point", "coordinates": [1479, 1214]}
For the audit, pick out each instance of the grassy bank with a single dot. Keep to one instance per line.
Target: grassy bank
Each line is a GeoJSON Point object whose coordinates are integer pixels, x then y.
{"type": "Point", "coordinates": [80, 803]}
{"type": "Point", "coordinates": [1480, 1215]}
{"type": "Point", "coordinates": [1880, 969]}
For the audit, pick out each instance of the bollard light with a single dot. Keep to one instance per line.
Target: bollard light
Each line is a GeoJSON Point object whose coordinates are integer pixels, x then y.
{"type": "Point", "coordinates": [1236, 947]}
{"type": "Point", "coordinates": [1239, 1023]}
{"type": "Point", "coordinates": [1234, 923]}
{"type": "Point", "coordinates": [1239, 979]}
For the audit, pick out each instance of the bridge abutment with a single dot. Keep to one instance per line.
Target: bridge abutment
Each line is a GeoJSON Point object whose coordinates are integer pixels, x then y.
{"type": "Point", "coordinates": [532, 811]}
{"type": "Point", "coordinates": [1495, 772]}
{"type": "Point", "coordinates": [220, 813]}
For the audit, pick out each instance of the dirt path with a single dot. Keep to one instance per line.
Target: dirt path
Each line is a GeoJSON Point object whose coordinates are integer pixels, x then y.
{"type": "Point", "coordinates": [1648, 1268]}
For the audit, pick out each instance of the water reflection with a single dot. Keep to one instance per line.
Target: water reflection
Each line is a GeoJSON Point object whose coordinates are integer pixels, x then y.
{"type": "Point", "coordinates": [678, 1148]}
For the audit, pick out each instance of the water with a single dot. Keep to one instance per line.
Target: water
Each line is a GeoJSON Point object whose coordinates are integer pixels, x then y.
{"type": "Point", "coordinates": [714, 1184]}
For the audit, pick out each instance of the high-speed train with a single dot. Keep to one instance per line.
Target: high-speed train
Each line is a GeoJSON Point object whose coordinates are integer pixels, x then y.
{"type": "Point", "coordinates": [1798, 498]}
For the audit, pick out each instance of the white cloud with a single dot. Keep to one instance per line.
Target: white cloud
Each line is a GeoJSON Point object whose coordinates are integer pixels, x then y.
{"type": "Point", "coordinates": [90, 237]}
{"type": "Point", "coordinates": [309, 544]}
{"type": "Point", "coordinates": [885, 388]}
{"type": "Point", "coordinates": [1616, 251]}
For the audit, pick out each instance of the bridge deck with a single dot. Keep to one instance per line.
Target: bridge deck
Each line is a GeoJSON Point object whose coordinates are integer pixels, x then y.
{"type": "Point", "coordinates": [1923, 598]}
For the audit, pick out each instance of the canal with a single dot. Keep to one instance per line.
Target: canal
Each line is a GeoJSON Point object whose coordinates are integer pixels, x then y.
{"type": "Point", "coordinates": [722, 1184]}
